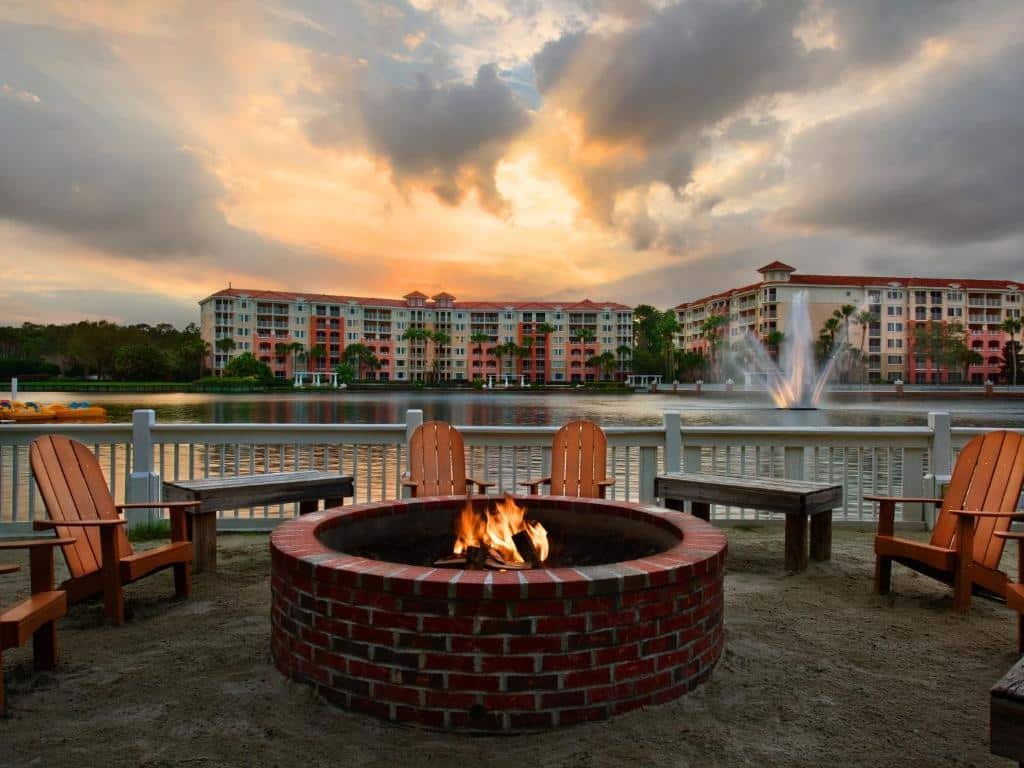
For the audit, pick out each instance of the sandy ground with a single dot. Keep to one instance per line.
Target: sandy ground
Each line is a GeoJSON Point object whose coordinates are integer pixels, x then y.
{"type": "Point", "coordinates": [816, 671]}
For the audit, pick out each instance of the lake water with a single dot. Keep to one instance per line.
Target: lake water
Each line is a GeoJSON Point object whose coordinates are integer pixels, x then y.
{"type": "Point", "coordinates": [549, 408]}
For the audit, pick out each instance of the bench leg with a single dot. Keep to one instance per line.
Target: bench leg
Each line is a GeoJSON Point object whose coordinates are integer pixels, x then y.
{"type": "Point", "coordinates": [677, 504]}
{"type": "Point", "coordinates": [3, 701]}
{"type": "Point", "coordinates": [700, 509]}
{"type": "Point", "coordinates": [307, 506]}
{"type": "Point", "coordinates": [44, 646]}
{"type": "Point", "coordinates": [796, 543]}
{"type": "Point", "coordinates": [821, 536]}
{"type": "Point", "coordinates": [883, 575]}
{"type": "Point", "coordinates": [203, 535]}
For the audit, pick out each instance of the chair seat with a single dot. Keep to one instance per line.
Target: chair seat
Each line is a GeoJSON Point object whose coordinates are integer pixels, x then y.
{"type": "Point", "coordinates": [939, 558]}
{"type": "Point", "coordinates": [18, 622]}
{"type": "Point", "coordinates": [137, 565]}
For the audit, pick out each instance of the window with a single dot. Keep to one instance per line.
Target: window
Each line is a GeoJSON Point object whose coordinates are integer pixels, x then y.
{"type": "Point", "coordinates": [954, 311]}
{"type": "Point", "coordinates": [894, 295]}
{"type": "Point", "coordinates": [920, 297]}
{"type": "Point", "coordinates": [894, 327]}
{"type": "Point", "coordinates": [894, 343]}
{"type": "Point", "coordinates": [895, 359]}
{"type": "Point", "coordinates": [954, 296]}
{"type": "Point", "coordinates": [894, 311]}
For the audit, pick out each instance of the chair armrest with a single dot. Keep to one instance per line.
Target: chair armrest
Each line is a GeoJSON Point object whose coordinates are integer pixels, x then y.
{"type": "Point", "coordinates": [52, 541]}
{"type": "Point", "coordinates": [158, 505]}
{"type": "Point", "coordinates": [9, 569]}
{"type": "Point", "coordinates": [606, 483]}
{"type": "Point", "coordinates": [982, 513]}
{"type": "Point", "coordinates": [42, 525]}
{"type": "Point", "coordinates": [481, 485]}
{"type": "Point", "coordinates": [532, 484]}
{"type": "Point", "coordinates": [905, 499]}
{"type": "Point", "coordinates": [1018, 535]}
{"type": "Point", "coordinates": [410, 483]}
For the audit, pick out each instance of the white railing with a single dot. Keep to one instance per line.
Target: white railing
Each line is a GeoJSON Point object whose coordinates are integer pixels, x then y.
{"type": "Point", "coordinates": [137, 456]}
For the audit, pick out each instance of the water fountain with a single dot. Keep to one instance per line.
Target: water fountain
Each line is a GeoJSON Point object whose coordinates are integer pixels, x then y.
{"type": "Point", "coordinates": [794, 381]}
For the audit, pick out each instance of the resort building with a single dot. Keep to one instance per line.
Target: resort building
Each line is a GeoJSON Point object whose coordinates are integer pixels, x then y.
{"type": "Point", "coordinates": [898, 306]}
{"type": "Point", "coordinates": [421, 338]}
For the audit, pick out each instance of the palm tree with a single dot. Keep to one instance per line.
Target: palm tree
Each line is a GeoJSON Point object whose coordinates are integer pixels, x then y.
{"type": "Point", "coordinates": [440, 340]}
{"type": "Point", "coordinates": [415, 335]}
{"type": "Point", "coordinates": [226, 345]}
{"type": "Point", "coordinates": [864, 319]}
{"type": "Point", "coordinates": [773, 340]}
{"type": "Point", "coordinates": [359, 355]}
{"type": "Point", "coordinates": [1012, 326]}
{"type": "Point", "coordinates": [711, 331]}
{"type": "Point", "coordinates": [480, 338]}
{"type": "Point", "coordinates": [605, 362]}
{"type": "Point", "coordinates": [317, 353]}
{"type": "Point", "coordinates": [280, 349]}
{"type": "Point", "coordinates": [827, 337]}
{"type": "Point", "coordinates": [584, 335]}
{"type": "Point", "coordinates": [297, 350]}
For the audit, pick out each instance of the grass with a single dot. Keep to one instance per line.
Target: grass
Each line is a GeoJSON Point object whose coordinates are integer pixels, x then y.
{"type": "Point", "coordinates": [158, 529]}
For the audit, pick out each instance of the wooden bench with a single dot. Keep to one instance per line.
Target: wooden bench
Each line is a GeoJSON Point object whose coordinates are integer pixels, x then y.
{"type": "Point", "coordinates": [1006, 715]}
{"type": "Point", "coordinates": [306, 487]}
{"type": "Point", "coordinates": [796, 499]}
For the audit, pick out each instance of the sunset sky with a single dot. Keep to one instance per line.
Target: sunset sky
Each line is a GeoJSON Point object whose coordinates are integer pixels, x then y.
{"type": "Point", "coordinates": [151, 152]}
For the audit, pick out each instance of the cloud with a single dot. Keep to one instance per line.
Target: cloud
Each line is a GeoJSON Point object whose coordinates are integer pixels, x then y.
{"type": "Point", "coordinates": [936, 166]}
{"type": "Point", "coordinates": [446, 136]}
{"type": "Point", "coordinates": [87, 156]}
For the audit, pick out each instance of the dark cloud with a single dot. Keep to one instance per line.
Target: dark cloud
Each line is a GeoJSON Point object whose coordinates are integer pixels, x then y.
{"type": "Point", "coordinates": [938, 166]}
{"type": "Point", "coordinates": [682, 70]}
{"type": "Point", "coordinates": [447, 136]}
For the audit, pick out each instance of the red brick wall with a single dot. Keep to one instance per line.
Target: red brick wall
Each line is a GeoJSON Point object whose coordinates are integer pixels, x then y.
{"type": "Point", "coordinates": [497, 651]}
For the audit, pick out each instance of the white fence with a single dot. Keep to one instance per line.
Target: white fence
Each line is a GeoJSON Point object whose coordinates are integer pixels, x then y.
{"type": "Point", "coordinates": [138, 455]}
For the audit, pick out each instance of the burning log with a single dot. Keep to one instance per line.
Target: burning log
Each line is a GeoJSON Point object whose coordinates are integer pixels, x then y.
{"type": "Point", "coordinates": [524, 545]}
{"type": "Point", "coordinates": [475, 558]}
{"type": "Point", "coordinates": [497, 563]}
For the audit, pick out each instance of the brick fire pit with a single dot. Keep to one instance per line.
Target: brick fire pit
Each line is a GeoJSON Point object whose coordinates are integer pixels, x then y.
{"type": "Point", "coordinates": [496, 651]}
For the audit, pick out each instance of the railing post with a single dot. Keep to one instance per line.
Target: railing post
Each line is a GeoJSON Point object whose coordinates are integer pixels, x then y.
{"type": "Point", "coordinates": [940, 461]}
{"type": "Point", "coordinates": [793, 467]}
{"type": "Point", "coordinates": [648, 471]}
{"type": "Point", "coordinates": [14, 388]}
{"type": "Point", "coordinates": [913, 484]}
{"type": "Point", "coordinates": [673, 440]}
{"type": "Point", "coordinates": [413, 419]}
{"type": "Point", "coordinates": [143, 483]}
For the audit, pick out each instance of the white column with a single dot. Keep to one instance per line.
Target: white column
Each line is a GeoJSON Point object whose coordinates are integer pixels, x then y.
{"type": "Point", "coordinates": [648, 471]}
{"type": "Point", "coordinates": [14, 388]}
{"type": "Point", "coordinates": [143, 482]}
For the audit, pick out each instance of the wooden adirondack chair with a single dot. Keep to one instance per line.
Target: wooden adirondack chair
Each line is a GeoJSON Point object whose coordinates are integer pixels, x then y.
{"type": "Point", "coordinates": [437, 462]}
{"type": "Point", "coordinates": [578, 456]}
{"type": "Point", "coordinates": [981, 501]}
{"type": "Point", "coordinates": [1015, 592]}
{"type": "Point", "coordinates": [35, 616]}
{"type": "Point", "coordinates": [81, 509]}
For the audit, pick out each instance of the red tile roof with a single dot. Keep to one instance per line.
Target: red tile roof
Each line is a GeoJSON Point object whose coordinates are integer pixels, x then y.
{"type": "Point", "coordinates": [865, 281]}
{"type": "Point", "coordinates": [566, 306]}
{"type": "Point", "coordinates": [776, 266]}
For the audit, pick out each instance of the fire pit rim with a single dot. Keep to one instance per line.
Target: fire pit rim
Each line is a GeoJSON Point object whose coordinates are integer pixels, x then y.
{"type": "Point", "coordinates": [701, 548]}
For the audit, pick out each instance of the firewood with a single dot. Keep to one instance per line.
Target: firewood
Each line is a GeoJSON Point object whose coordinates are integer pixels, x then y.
{"type": "Point", "coordinates": [475, 558]}
{"type": "Point", "coordinates": [451, 561]}
{"type": "Point", "coordinates": [501, 565]}
{"type": "Point", "coordinates": [524, 545]}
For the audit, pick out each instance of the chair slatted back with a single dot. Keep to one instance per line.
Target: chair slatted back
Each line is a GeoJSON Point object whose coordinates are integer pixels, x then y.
{"type": "Point", "coordinates": [72, 485]}
{"type": "Point", "coordinates": [437, 460]}
{"type": "Point", "coordinates": [988, 476]}
{"type": "Point", "coordinates": [578, 455]}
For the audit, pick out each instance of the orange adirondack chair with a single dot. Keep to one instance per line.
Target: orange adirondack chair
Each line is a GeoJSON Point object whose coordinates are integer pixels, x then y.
{"type": "Point", "coordinates": [99, 556]}
{"type": "Point", "coordinates": [1015, 592]}
{"type": "Point", "coordinates": [578, 456]}
{"type": "Point", "coordinates": [981, 501]}
{"type": "Point", "coordinates": [35, 616]}
{"type": "Point", "coordinates": [437, 462]}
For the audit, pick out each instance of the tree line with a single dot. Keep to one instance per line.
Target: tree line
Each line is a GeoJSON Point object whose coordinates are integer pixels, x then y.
{"type": "Point", "coordinates": [103, 350]}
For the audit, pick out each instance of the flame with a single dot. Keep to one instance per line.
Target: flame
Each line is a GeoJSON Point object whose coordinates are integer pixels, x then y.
{"type": "Point", "coordinates": [493, 530]}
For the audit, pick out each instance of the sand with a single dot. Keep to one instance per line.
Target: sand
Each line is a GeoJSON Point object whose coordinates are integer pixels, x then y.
{"type": "Point", "coordinates": [816, 671]}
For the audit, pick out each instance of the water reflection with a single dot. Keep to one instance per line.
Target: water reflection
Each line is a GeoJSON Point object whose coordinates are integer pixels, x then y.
{"type": "Point", "coordinates": [542, 409]}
